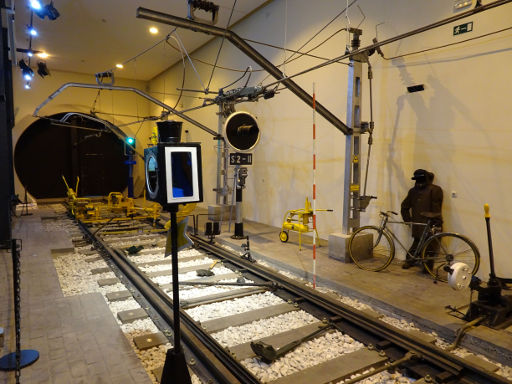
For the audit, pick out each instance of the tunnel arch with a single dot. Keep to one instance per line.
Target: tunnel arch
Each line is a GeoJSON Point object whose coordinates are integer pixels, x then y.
{"type": "Point", "coordinates": [79, 147]}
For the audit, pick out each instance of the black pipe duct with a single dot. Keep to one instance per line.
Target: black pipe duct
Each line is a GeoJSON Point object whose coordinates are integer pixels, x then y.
{"type": "Point", "coordinates": [240, 43]}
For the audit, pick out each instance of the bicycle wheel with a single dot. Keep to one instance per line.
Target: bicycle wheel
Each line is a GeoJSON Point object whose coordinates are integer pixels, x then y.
{"type": "Point", "coordinates": [448, 248]}
{"type": "Point", "coordinates": [371, 248]}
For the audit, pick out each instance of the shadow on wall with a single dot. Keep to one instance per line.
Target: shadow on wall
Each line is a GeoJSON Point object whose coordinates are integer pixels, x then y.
{"type": "Point", "coordinates": [435, 136]}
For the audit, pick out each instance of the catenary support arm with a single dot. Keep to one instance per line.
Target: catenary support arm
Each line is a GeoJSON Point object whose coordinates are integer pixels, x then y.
{"type": "Point", "coordinates": [240, 43]}
{"type": "Point", "coordinates": [126, 89]}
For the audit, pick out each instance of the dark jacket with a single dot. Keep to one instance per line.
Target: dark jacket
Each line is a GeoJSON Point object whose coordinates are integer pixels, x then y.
{"type": "Point", "coordinates": [423, 197]}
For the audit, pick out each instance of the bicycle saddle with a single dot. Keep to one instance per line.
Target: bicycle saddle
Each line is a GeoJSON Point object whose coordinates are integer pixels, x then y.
{"type": "Point", "coordinates": [431, 215]}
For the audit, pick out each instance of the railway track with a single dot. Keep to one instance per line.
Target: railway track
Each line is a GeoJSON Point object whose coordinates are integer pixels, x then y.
{"type": "Point", "coordinates": [274, 314]}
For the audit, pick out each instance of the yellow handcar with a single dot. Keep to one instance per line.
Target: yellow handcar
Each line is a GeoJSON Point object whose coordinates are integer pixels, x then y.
{"type": "Point", "coordinates": [298, 220]}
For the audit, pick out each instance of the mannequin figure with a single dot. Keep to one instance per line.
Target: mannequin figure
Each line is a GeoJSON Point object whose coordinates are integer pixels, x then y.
{"type": "Point", "coordinates": [423, 197]}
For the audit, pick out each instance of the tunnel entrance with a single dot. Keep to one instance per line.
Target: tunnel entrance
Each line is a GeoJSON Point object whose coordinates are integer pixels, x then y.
{"type": "Point", "coordinates": [78, 148]}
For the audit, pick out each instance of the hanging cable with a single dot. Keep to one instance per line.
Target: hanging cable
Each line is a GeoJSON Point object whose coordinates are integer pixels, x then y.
{"type": "Point", "coordinates": [446, 45]}
{"type": "Point", "coordinates": [184, 71]}
{"type": "Point", "coordinates": [94, 102]}
{"type": "Point", "coordinates": [318, 32]}
{"type": "Point", "coordinates": [307, 53]}
{"type": "Point", "coordinates": [370, 128]}
{"type": "Point", "coordinates": [285, 30]}
{"type": "Point", "coordinates": [183, 49]}
{"type": "Point", "coordinates": [347, 46]}
{"type": "Point", "coordinates": [237, 80]}
{"type": "Point", "coordinates": [221, 44]}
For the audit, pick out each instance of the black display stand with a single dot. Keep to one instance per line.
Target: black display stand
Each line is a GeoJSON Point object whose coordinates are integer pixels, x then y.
{"type": "Point", "coordinates": [15, 361]}
{"type": "Point", "coordinates": [175, 368]}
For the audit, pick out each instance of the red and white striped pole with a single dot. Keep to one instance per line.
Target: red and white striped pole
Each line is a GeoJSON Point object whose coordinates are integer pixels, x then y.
{"type": "Point", "coordinates": [314, 187]}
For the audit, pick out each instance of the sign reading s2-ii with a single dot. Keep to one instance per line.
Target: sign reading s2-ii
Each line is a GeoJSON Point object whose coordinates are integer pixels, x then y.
{"type": "Point", "coordinates": [240, 158]}
{"type": "Point", "coordinates": [463, 28]}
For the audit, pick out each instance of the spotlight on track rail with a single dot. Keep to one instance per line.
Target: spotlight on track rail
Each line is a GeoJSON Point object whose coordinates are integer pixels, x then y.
{"type": "Point", "coordinates": [28, 85]}
{"type": "Point", "coordinates": [42, 69]}
{"type": "Point", "coordinates": [48, 10]}
{"type": "Point", "coordinates": [27, 72]}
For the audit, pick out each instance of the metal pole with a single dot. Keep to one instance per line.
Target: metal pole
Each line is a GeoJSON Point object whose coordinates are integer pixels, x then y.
{"type": "Point", "coordinates": [351, 190]}
{"type": "Point", "coordinates": [175, 368]}
{"type": "Point", "coordinates": [314, 188]}
{"type": "Point", "coordinates": [126, 89]}
{"type": "Point", "coordinates": [218, 189]}
{"type": "Point", "coordinates": [175, 284]}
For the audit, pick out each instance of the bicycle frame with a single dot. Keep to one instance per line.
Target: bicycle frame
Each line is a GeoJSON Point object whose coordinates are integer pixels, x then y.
{"type": "Point", "coordinates": [424, 236]}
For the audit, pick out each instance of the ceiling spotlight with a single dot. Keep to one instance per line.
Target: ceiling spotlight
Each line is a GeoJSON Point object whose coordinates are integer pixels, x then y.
{"type": "Point", "coordinates": [27, 72]}
{"type": "Point", "coordinates": [153, 30]}
{"type": "Point", "coordinates": [42, 69]}
{"type": "Point", "coordinates": [27, 85]}
{"type": "Point", "coordinates": [35, 4]}
{"type": "Point", "coordinates": [30, 53]}
{"type": "Point", "coordinates": [48, 10]}
{"type": "Point", "coordinates": [31, 31]}
{"type": "Point", "coordinates": [120, 66]}
{"type": "Point", "coordinates": [42, 55]}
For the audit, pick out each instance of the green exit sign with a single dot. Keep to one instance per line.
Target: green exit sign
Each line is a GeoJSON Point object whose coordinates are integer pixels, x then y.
{"type": "Point", "coordinates": [463, 28]}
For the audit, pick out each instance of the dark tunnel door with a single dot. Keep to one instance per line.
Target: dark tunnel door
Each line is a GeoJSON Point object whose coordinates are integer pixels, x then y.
{"type": "Point", "coordinates": [45, 152]}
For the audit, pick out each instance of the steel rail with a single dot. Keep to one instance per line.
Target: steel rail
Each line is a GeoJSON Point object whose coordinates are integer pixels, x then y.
{"type": "Point", "coordinates": [447, 361]}
{"type": "Point", "coordinates": [217, 360]}
{"type": "Point", "coordinates": [252, 53]}
{"type": "Point", "coordinates": [221, 363]}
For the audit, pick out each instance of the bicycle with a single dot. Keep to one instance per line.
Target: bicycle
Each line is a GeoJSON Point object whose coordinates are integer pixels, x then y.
{"type": "Point", "coordinates": [372, 247]}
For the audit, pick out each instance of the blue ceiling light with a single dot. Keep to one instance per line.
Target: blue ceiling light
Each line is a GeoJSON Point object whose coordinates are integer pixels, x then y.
{"type": "Point", "coordinates": [31, 31]}
{"type": "Point", "coordinates": [47, 10]}
{"type": "Point", "coordinates": [35, 4]}
{"type": "Point", "coordinates": [27, 72]}
{"type": "Point", "coordinates": [28, 85]}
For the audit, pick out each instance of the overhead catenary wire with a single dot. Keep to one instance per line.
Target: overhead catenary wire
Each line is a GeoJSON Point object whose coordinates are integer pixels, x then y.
{"type": "Point", "coordinates": [402, 36]}
{"type": "Point", "coordinates": [318, 32]}
{"type": "Point", "coordinates": [446, 45]}
{"type": "Point", "coordinates": [221, 44]}
{"type": "Point", "coordinates": [301, 54]}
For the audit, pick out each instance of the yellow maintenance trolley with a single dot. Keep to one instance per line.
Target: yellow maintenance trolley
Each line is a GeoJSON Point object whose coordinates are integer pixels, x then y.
{"type": "Point", "coordinates": [298, 220]}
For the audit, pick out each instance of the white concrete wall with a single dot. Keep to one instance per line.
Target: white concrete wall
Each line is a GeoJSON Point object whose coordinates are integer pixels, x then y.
{"type": "Point", "coordinates": [79, 100]}
{"type": "Point", "coordinates": [457, 128]}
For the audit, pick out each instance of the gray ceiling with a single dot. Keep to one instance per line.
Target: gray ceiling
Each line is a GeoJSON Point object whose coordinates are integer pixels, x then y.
{"type": "Point", "coordinates": [91, 36]}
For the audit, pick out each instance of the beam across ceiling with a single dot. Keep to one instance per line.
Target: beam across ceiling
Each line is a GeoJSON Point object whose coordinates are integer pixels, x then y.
{"type": "Point", "coordinates": [241, 44]}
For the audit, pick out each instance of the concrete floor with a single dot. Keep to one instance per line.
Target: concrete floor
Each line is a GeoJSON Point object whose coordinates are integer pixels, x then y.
{"type": "Point", "coordinates": [408, 293]}
{"type": "Point", "coordinates": [77, 337]}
